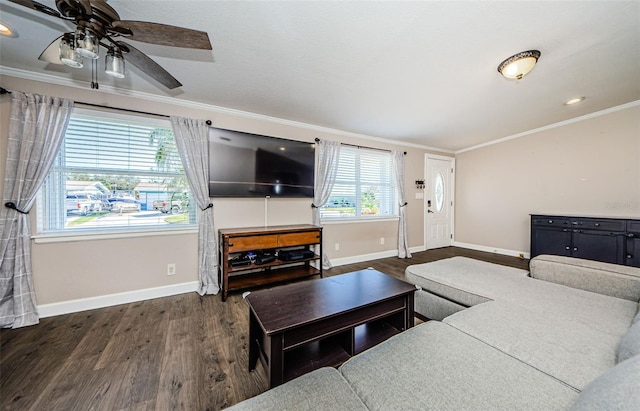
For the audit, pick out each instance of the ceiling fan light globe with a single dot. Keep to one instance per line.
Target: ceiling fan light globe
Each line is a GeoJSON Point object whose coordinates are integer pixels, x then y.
{"type": "Point", "coordinates": [87, 44]}
{"type": "Point", "coordinates": [68, 53]}
{"type": "Point", "coordinates": [114, 65]}
{"type": "Point", "coordinates": [75, 63]}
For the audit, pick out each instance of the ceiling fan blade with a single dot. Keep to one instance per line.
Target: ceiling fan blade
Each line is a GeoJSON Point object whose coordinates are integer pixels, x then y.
{"type": "Point", "coordinates": [38, 6]}
{"type": "Point", "coordinates": [52, 53]}
{"type": "Point", "coordinates": [150, 67]}
{"type": "Point", "coordinates": [165, 35]}
{"type": "Point", "coordinates": [85, 5]}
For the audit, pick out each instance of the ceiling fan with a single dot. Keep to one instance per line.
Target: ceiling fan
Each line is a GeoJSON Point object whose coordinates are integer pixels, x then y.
{"type": "Point", "coordinates": [98, 24]}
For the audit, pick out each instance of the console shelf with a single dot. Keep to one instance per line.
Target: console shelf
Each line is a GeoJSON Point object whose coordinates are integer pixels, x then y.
{"type": "Point", "coordinates": [233, 241]}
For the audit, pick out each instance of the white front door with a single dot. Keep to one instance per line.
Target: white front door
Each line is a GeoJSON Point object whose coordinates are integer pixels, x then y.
{"type": "Point", "coordinates": [439, 201]}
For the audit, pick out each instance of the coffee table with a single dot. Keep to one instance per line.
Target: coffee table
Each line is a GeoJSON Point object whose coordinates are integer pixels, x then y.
{"type": "Point", "coordinates": [296, 328]}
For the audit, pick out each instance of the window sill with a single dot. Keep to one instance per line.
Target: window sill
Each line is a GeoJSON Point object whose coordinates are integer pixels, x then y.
{"type": "Point", "coordinates": [347, 220]}
{"type": "Point", "coordinates": [65, 237]}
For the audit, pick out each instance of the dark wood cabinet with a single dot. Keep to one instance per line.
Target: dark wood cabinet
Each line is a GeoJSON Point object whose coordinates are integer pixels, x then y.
{"type": "Point", "coordinates": [633, 243]}
{"type": "Point", "coordinates": [233, 242]}
{"type": "Point", "coordinates": [610, 240]}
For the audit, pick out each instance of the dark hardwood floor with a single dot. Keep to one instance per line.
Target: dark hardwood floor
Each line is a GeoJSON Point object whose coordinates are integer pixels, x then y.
{"type": "Point", "coordinates": [181, 352]}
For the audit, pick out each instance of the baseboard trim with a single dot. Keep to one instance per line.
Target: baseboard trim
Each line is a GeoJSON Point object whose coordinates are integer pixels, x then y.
{"type": "Point", "coordinates": [495, 250]}
{"type": "Point", "coordinates": [336, 262]}
{"type": "Point", "coordinates": [91, 303]}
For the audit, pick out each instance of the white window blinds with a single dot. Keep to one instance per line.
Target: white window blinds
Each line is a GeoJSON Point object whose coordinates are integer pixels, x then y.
{"type": "Point", "coordinates": [364, 186]}
{"type": "Point", "coordinates": [115, 171]}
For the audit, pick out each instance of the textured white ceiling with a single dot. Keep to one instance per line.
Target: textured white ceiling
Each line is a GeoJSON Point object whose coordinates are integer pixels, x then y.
{"type": "Point", "coordinates": [418, 72]}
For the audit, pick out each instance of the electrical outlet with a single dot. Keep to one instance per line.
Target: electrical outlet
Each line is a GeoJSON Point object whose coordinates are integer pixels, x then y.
{"type": "Point", "coordinates": [171, 269]}
{"type": "Point", "coordinates": [337, 246]}
{"type": "Point", "coordinates": [381, 240]}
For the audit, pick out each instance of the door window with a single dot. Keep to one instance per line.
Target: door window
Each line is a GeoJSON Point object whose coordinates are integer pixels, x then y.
{"type": "Point", "coordinates": [439, 192]}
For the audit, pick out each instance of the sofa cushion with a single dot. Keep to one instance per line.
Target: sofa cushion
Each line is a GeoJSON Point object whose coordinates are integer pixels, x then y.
{"type": "Point", "coordinates": [616, 389]}
{"type": "Point", "coordinates": [470, 282]}
{"type": "Point", "coordinates": [608, 314]}
{"type": "Point", "coordinates": [614, 280]}
{"type": "Point", "coordinates": [322, 389]}
{"type": "Point", "coordinates": [463, 280]}
{"type": "Point", "coordinates": [570, 351]}
{"type": "Point", "coordinates": [630, 344]}
{"type": "Point", "coordinates": [434, 307]}
{"type": "Point", "coordinates": [435, 366]}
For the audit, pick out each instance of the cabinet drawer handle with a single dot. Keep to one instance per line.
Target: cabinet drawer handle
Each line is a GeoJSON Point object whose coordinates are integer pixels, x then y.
{"type": "Point", "coordinates": [550, 221]}
{"type": "Point", "coordinates": [567, 248]}
{"type": "Point", "coordinates": [575, 248]}
{"type": "Point", "coordinates": [230, 244]}
{"type": "Point", "coordinates": [629, 256]}
{"type": "Point", "coordinates": [597, 224]}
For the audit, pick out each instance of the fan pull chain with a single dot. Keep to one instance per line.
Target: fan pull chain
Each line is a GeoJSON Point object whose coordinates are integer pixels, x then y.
{"type": "Point", "coordinates": [94, 75]}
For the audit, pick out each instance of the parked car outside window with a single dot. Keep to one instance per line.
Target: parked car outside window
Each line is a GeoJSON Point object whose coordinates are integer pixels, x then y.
{"type": "Point", "coordinates": [82, 204]}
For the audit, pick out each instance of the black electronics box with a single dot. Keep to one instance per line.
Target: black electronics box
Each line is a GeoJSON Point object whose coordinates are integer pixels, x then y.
{"type": "Point", "coordinates": [240, 261]}
{"type": "Point", "coordinates": [265, 257]}
{"type": "Point", "coordinates": [294, 255]}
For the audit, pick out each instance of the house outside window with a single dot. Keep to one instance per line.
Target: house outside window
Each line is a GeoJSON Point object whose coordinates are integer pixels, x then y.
{"type": "Point", "coordinates": [115, 172]}
{"type": "Point", "coordinates": [364, 188]}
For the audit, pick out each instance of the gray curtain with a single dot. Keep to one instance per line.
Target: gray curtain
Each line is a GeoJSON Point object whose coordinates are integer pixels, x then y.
{"type": "Point", "coordinates": [193, 145]}
{"type": "Point", "coordinates": [327, 156]}
{"type": "Point", "coordinates": [36, 131]}
{"type": "Point", "coordinates": [398, 172]}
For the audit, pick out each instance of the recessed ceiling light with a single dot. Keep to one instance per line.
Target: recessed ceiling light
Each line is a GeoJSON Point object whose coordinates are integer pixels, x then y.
{"type": "Point", "coordinates": [6, 30]}
{"type": "Point", "coordinates": [574, 101]}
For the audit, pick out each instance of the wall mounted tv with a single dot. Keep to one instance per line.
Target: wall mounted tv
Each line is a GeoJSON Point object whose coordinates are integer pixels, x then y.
{"type": "Point", "coordinates": [251, 165]}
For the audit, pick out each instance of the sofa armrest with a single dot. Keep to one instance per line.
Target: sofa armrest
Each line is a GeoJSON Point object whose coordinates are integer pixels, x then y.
{"type": "Point", "coordinates": [603, 278]}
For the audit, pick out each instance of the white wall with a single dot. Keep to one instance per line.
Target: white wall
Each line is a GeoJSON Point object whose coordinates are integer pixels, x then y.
{"type": "Point", "coordinates": [590, 167]}
{"type": "Point", "coordinates": [66, 271]}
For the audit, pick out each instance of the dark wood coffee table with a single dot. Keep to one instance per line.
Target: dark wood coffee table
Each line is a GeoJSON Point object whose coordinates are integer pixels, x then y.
{"type": "Point", "coordinates": [296, 328]}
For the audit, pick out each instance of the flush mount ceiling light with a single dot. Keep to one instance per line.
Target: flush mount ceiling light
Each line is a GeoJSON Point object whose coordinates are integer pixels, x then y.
{"type": "Point", "coordinates": [574, 101]}
{"type": "Point", "coordinates": [6, 30]}
{"type": "Point", "coordinates": [518, 65]}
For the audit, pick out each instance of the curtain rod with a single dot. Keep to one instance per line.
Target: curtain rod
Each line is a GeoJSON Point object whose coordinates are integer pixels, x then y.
{"type": "Point", "coordinates": [368, 148]}
{"type": "Point", "coordinates": [5, 91]}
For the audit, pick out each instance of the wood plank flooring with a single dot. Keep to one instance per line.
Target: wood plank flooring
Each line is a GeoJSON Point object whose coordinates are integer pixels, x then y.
{"type": "Point", "coordinates": [184, 352]}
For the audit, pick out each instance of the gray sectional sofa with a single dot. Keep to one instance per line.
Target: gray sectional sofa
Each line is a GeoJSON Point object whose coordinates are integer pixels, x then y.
{"type": "Point", "coordinates": [564, 336]}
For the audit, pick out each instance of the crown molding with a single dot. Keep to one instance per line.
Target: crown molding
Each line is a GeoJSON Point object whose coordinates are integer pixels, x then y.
{"type": "Point", "coordinates": [552, 126]}
{"type": "Point", "coordinates": [60, 81]}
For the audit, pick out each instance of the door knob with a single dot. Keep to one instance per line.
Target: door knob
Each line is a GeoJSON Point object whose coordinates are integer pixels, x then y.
{"type": "Point", "coordinates": [429, 211]}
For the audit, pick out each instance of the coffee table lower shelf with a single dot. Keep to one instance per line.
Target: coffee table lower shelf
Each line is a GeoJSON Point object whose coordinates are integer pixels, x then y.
{"type": "Point", "coordinates": [330, 351]}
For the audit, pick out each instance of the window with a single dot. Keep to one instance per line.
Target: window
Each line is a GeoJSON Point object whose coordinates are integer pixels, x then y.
{"type": "Point", "coordinates": [115, 172]}
{"type": "Point", "coordinates": [364, 186]}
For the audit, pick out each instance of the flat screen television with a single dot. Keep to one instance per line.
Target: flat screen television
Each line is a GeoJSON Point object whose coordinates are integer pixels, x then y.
{"type": "Point", "coordinates": [252, 165]}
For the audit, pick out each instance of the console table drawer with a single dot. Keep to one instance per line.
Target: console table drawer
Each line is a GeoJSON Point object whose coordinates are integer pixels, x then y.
{"type": "Point", "coordinates": [249, 243]}
{"type": "Point", "coordinates": [633, 226]}
{"type": "Point", "coordinates": [292, 239]}
{"type": "Point", "coordinates": [551, 221]}
{"type": "Point", "coordinates": [607, 225]}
